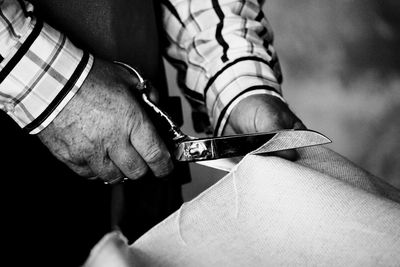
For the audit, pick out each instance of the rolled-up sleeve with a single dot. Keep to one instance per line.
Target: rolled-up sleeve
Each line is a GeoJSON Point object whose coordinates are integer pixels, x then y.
{"type": "Point", "coordinates": [41, 69]}
{"type": "Point", "coordinates": [223, 52]}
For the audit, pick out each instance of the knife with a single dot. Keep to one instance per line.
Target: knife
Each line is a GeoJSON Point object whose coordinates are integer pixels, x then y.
{"type": "Point", "coordinates": [192, 149]}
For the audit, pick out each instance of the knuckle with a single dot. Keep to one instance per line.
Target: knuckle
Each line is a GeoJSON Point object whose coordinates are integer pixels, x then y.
{"type": "Point", "coordinates": [161, 164]}
{"type": "Point", "coordinates": [155, 155]}
{"type": "Point", "coordinates": [164, 169]}
{"type": "Point", "coordinates": [107, 172]}
{"type": "Point", "coordinates": [132, 167]}
{"type": "Point", "coordinates": [110, 174]}
{"type": "Point", "coordinates": [138, 172]}
{"type": "Point", "coordinates": [137, 121]}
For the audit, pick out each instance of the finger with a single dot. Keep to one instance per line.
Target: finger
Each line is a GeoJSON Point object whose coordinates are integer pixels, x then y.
{"type": "Point", "coordinates": [128, 161]}
{"type": "Point", "coordinates": [83, 171]}
{"type": "Point", "coordinates": [228, 130]}
{"type": "Point", "coordinates": [152, 149]}
{"type": "Point", "coordinates": [298, 125]}
{"type": "Point", "coordinates": [105, 169]}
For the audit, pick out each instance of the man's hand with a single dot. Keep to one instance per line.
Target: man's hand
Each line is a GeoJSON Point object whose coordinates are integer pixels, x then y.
{"type": "Point", "coordinates": [263, 113]}
{"type": "Point", "coordinates": [103, 131]}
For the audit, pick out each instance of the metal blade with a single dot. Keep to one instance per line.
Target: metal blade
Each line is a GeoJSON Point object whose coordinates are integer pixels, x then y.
{"type": "Point", "coordinates": [240, 145]}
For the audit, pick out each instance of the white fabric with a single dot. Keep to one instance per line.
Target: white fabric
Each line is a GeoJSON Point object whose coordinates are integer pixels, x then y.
{"type": "Point", "coordinates": [321, 210]}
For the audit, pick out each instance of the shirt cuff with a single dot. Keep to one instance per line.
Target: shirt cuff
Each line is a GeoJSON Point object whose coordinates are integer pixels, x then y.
{"type": "Point", "coordinates": [240, 79]}
{"type": "Point", "coordinates": [40, 75]}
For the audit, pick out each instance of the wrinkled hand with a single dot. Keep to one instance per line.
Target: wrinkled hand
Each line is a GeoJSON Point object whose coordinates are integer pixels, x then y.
{"type": "Point", "coordinates": [103, 132]}
{"type": "Point", "coordinates": [263, 113]}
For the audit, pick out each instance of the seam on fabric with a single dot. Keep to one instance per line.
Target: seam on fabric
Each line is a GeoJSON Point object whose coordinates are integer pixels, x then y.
{"type": "Point", "coordinates": [178, 218]}
{"type": "Point", "coordinates": [236, 194]}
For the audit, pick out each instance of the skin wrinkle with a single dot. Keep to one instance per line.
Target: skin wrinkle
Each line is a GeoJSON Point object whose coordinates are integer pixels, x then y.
{"type": "Point", "coordinates": [137, 126]}
{"type": "Point", "coordinates": [64, 153]}
{"type": "Point", "coordinates": [113, 153]}
{"type": "Point", "coordinates": [152, 155]}
{"type": "Point", "coordinates": [140, 171]}
{"type": "Point", "coordinates": [123, 127]}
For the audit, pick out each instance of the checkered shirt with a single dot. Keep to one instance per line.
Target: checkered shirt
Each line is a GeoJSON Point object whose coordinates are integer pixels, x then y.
{"type": "Point", "coordinates": [41, 69]}
{"type": "Point", "coordinates": [222, 49]}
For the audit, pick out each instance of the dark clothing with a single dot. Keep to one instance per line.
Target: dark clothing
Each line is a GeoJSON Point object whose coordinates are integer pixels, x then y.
{"type": "Point", "coordinates": [55, 215]}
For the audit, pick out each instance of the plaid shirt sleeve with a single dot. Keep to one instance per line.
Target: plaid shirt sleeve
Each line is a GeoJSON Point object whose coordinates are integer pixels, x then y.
{"type": "Point", "coordinates": [223, 52]}
{"type": "Point", "coordinates": [41, 69]}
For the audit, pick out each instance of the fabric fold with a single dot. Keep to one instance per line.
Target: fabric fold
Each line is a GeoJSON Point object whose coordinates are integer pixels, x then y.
{"type": "Point", "coordinates": [319, 210]}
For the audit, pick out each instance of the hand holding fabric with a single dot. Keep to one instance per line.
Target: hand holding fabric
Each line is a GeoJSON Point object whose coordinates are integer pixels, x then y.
{"type": "Point", "coordinates": [103, 131]}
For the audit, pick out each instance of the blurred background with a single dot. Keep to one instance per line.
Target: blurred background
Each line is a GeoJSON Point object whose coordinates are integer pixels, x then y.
{"type": "Point", "coordinates": [341, 66]}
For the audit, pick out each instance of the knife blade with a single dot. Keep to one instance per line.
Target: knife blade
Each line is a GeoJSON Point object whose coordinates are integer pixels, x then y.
{"type": "Point", "coordinates": [239, 145]}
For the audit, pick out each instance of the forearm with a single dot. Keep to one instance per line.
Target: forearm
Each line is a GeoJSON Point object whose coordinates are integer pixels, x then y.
{"type": "Point", "coordinates": [224, 52]}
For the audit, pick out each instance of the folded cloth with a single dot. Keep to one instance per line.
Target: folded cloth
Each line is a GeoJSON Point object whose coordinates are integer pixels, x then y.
{"type": "Point", "coordinates": [319, 210]}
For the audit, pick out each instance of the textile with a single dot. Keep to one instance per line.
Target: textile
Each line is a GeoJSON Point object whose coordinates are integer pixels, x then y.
{"type": "Point", "coordinates": [222, 49]}
{"type": "Point", "coordinates": [321, 210]}
{"type": "Point", "coordinates": [41, 69]}
{"type": "Point", "coordinates": [49, 211]}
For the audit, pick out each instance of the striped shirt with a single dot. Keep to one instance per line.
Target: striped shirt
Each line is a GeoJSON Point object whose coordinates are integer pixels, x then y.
{"type": "Point", "coordinates": [41, 69]}
{"type": "Point", "coordinates": [223, 52]}
{"type": "Point", "coordinates": [221, 48]}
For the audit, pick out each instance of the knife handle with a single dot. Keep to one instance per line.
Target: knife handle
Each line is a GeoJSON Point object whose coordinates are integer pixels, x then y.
{"type": "Point", "coordinates": [175, 132]}
{"type": "Point", "coordinates": [173, 129]}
